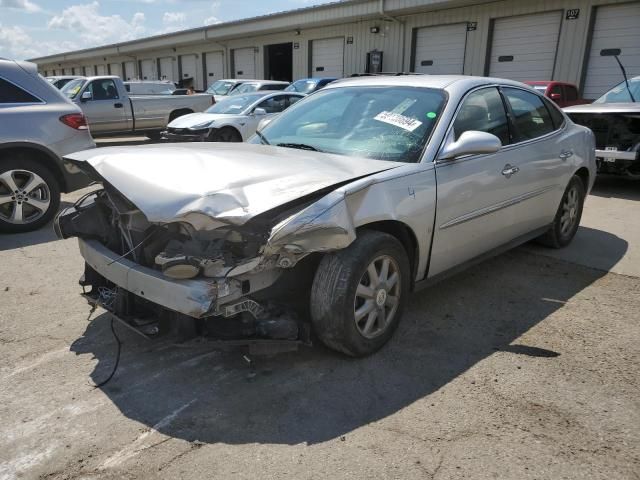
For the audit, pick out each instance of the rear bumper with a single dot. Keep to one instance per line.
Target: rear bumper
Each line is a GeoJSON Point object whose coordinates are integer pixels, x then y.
{"type": "Point", "coordinates": [195, 298]}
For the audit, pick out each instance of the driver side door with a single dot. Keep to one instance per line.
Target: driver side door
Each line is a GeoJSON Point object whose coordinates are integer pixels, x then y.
{"type": "Point", "coordinates": [105, 111]}
{"type": "Point", "coordinates": [272, 105]}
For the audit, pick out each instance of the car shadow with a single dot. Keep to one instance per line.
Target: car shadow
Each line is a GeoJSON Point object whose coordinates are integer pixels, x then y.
{"type": "Point", "coordinates": [45, 234]}
{"type": "Point", "coordinates": [612, 186]}
{"type": "Point", "coordinates": [315, 395]}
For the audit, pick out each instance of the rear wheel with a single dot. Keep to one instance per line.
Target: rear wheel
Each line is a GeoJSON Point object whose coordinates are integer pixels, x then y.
{"type": "Point", "coordinates": [29, 194]}
{"type": "Point", "coordinates": [226, 134]}
{"type": "Point", "coordinates": [359, 294]}
{"type": "Point", "coordinates": [567, 219]}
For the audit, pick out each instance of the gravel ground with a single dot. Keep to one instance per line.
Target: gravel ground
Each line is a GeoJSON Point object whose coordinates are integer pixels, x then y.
{"type": "Point", "coordinates": [524, 367]}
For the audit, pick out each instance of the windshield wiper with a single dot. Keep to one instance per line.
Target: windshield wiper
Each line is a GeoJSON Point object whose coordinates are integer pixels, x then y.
{"type": "Point", "coordinates": [301, 146]}
{"type": "Point", "coordinates": [263, 139]}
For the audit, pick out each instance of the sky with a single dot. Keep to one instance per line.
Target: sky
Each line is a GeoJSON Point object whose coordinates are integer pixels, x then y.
{"type": "Point", "coordinates": [34, 28]}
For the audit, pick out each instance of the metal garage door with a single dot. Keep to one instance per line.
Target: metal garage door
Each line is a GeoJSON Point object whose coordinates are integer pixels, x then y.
{"type": "Point", "coordinates": [129, 71]}
{"type": "Point", "coordinates": [148, 70]}
{"type": "Point", "coordinates": [115, 68]}
{"type": "Point", "coordinates": [214, 64]}
{"type": "Point", "coordinates": [101, 70]}
{"type": "Point", "coordinates": [327, 57]}
{"type": "Point", "coordinates": [616, 26]}
{"type": "Point", "coordinates": [524, 47]}
{"type": "Point", "coordinates": [190, 69]}
{"type": "Point", "coordinates": [244, 63]}
{"type": "Point", "coordinates": [88, 70]}
{"type": "Point", "coordinates": [166, 69]}
{"type": "Point", "coordinates": [440, 49]}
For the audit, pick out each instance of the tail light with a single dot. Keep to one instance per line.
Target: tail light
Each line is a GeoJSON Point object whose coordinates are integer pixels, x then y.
{"type": "Point", "coordinates": [75, 120]}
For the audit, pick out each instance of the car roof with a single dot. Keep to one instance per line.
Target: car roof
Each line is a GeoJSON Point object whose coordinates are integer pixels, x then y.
{"type": "Point", "coordinates": [62, 77]}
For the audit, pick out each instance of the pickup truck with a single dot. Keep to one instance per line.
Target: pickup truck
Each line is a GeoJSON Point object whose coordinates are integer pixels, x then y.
{"type": "Point", "coordinates": [110, 109]}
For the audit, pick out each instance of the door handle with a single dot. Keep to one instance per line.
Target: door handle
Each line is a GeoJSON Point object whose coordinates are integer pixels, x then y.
{"type": "Point", "coordinates": [508, 170]}
{"type": "Point", "coordinates": [565, 154]}
{"type": "Point", "coordinates": [117, 105]}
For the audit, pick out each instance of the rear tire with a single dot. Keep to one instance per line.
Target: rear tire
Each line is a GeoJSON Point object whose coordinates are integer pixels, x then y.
{"type": "Point", "coordinates": [29, 194]}
{"type": "Point", "coordinates": [352, 311]}
{"type": "Point", "coordinates": [567, 219]}
{"type": "Point", "coordinates": [225, 134]}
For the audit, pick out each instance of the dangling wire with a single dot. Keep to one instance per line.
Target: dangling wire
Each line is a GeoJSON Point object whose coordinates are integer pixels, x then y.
{"type": "Point", "coordinates": [119, 349]}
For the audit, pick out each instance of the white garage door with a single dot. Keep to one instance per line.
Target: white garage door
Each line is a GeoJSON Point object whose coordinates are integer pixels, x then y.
{"type": "Point", "coordinates": [244, 63]}
{"type": "Point", "coordinates": [166, 69]}
{"type": "Point", "coordinates": [616, 26]}
{"type": "Point", "coordinates": [129, 71]}
{"type": "Point", "coordinates": [148, 68]}
{"type": "Point", "coordinates": [215, 66]}
{"type": "Point", "coordinates": [101, 69]}
{"type": "Point", "coordinates": [440, 49]}
{"type": "Point", "coordinates": [327, 59]}
{"type": "Point", "coordinates": [88, 70]}
{"type": "Point", "coordinates": [115, 69]}
{"type": "Point", "coordinates": [524, 47]}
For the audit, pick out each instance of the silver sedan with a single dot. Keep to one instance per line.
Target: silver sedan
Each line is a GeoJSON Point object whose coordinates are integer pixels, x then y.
{"type": "Point", "coordinates": [353, 197]}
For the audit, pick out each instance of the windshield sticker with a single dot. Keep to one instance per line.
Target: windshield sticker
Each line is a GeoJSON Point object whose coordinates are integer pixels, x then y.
{"type": "Point", "coordinates": [431, 115]}
{"type": "Point", "coordinates": [404, 105]}
{"type": "Point", "coordinates": [406, 123]}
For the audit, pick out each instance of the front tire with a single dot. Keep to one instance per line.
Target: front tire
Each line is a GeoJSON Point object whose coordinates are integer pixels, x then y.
{"type": "Point", "coordinates": [29, 194]}
{"type": "Point", "coordinates": [567, 219]}
{"type": "Point", "coordinates": [359, 294]}
{"type": "Point", "coordinates": [225, 134]}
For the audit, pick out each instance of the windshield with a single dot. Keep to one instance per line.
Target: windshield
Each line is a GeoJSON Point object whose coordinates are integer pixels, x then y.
{"type": "Point", "coordinates": [220, 87]}
{"type": "Point", "coordinates": [620, 94]}
{"type": "Point", "coordinates": [302, 86]}
{"type": "Point", "coordinates": [71, 89]}
{"type": "Point", "coordinates": [384, 123]}
{"type": "Point", "coordinates": [234, 104]}
{"type": "Point", "coordinates": [246, 88]}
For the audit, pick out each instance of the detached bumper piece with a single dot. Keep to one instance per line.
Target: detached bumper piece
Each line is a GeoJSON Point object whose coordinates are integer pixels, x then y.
{"type": "Point", "coordinates": [185, 135]}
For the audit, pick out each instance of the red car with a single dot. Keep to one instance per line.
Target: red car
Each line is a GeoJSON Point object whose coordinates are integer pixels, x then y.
{"type": "Point", "coordinates": [564, 94]}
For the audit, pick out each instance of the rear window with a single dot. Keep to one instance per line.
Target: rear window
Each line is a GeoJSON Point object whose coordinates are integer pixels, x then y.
{"type": "Point", "coordinates": [10, 93]}
{"type": "Point", "coordinates": [531, 117]}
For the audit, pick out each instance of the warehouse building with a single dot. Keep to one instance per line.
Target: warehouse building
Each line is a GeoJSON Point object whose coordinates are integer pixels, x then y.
{"type": "Point", "coordinates": [517, 39]}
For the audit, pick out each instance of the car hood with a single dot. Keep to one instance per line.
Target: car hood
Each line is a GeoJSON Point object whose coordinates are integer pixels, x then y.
{"type": "Point", "coordinates": [214, 184]}
{"type": "Point", "coordinates": [629, 107]}
{"type": "Point", "coordinates": [192, 119]}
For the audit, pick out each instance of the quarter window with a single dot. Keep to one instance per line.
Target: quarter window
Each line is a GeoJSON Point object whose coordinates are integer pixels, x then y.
{"type": "Point", "coordinates": [10, 93]}
{"type": "Point", "coordinates": [530, 115]}
{"type": "Point", "coordinates": [103, 90]}
{"type": "Point", "coordinates": [274, 104]}
{"type": "Point", "coordinates": [483, 111]}
{"type": "Point", "coordinates": [556, 114]}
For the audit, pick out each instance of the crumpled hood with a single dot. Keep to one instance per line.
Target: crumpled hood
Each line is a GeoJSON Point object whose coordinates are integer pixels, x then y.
{"type": "Point", "coordinates": [193, 119]}
{"type": "Point", "coordinates": [213, 184]}
{"type": "Point", "coordinates": [629, 107]}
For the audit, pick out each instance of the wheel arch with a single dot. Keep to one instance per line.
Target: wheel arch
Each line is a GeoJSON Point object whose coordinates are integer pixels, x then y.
{"type": "Point", "coordinates": [41, 154]}
{"type": "Point", "coordinates": [583, 174]}
{"type": "Point", "coordinates": [178, 112]}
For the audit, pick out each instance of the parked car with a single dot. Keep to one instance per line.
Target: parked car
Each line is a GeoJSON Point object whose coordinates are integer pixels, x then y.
{"type": "Point", "coordinates": [564, 94]}
{"type": "Point", "coordinates": [356, 195]}
{"type": "Point", "coordinates": [614, 118]}
{"type": "Point", "coordinates": [309, 85]}
{"type": "Point", "coordinates": [233, 119]}
{"type": "Point", "coordinates": [221, 89]}
{"type": "Point", "coordinates": [38, 125]}
{"type": "Point", "coordinates": [61, 80]}
{"type": "Point", "coordinates": [149, 87]}
{"type": "Point", "coordinates": [110, 109]}
{"type": "Point", "coordinates": [259, 85]}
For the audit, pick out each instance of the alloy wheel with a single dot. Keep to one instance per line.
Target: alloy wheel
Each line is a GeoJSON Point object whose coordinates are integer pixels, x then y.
{"type": "Point", "coordinates": [570, 209]}
{"type": "Point", "coordinates": [24, 197]}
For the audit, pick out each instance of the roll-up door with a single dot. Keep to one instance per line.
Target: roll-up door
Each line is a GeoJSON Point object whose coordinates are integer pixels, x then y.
{"type": "Point", "coordinates": [129, 71]}
{"type": "Point", "coordinates": [616, 26]}
{"type": "Point", "coordinates": [115, 68]}
{"type": "Point", "coordinates": [101, 70]}
{"type": "Point", "coordinates": [440, 49]}
{"type": "Point", "coordinates": [87, 70]}
{"type": "Point", "coordinates": [244, 63]}
{"type": "Point", "coordinates": [190, 69]}
{"type": "Point", "coordinates": [524, 47]}
{"type": "Point", "coordinates": [327, 57]}
{"type": "Point", "coordinates": [214, 64]}
{"type": "Point", "coordinates": [148, 69]}
{"type": "Point", "coordinates": [166, 69]}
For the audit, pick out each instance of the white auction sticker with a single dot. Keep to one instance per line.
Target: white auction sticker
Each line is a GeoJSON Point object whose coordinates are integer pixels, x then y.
{"type": "Point", "coordinates": [407, 123]}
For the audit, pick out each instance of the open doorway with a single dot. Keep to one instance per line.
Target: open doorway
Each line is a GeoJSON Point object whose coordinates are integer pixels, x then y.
{"type": "Point", "coordinates": [278, 62]}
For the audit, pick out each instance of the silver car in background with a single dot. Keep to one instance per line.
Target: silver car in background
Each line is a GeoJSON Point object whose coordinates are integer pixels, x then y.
{"type": "Point", "coordinates": [326, 220]}
{"type": "Point", "coordinates": [38, 126]}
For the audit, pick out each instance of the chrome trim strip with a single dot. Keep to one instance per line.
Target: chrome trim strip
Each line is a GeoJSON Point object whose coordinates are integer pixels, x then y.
{"type": "Point", "coordinates": [617, 154]}
{"type": "Point", "coordinates": [494, 208]}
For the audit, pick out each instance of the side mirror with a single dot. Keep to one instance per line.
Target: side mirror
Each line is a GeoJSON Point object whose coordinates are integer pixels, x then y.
{"type": "Point", "coordinates": [471, 143]}
{"type": "Point", "coordinates": [555, 96]}
{"type": "Point", "coordinates": [86, 96]}
{"type": "Point", "coordinates": [263, 123]}
{"type": "Point", "coordinates": [259, 111]}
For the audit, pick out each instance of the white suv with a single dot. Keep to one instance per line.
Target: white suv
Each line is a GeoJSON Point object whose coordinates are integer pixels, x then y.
{"type": "Point", "coordinates": [39, 126]}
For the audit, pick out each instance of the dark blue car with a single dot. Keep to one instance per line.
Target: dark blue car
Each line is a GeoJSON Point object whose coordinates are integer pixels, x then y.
{"type": "Point", "coordinates": [309, 85]}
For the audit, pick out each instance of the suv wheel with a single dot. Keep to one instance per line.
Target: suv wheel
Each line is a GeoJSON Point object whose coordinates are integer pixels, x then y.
{"type": "Point", "coordinates": [567, 219]}
{"type": "Point", "coordinates": [29, 195]}
{"type": "Point", "coordinates": [359, 294]}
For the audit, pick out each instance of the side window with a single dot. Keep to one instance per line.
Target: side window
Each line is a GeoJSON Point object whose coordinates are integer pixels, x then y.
{"type": "Point", "coordinates": [556, 114]}
{"type": "Point", "coordinates": [530, 116]}
{"type": "Point", "coordinates": [10, 93]}
{"type": "Point", "coordinates": [103, 90]}
{"type": "Point", "coordinates": [570, 93]}
{"type": "Point", "coordinates": [556, 89]}
{"type": "Point", "coordinates": [293, 99]}
{"type": "Point", "coordinates": [274, 104]}
{"type": "Point", "coordinates": [483, 111]}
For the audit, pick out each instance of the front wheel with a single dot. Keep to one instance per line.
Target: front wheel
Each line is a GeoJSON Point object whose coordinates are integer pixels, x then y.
{"type": "Point", "coordinates": [226, 134]}
{"type": "Point", "coordinates": [567, 219]}
{"type": "Point", "coordinates": [359, 294]}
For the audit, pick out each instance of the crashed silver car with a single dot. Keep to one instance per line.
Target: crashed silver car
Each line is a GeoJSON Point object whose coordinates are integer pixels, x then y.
{"type": "Point", "coordinates": [322, 225]}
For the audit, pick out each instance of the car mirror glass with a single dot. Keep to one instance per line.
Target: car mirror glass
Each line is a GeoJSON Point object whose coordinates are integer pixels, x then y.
{"type": "Point", "coordinates": [471, 143]}
{"type": "Point", "coordinates": [259, 111]}
{"type": "Point", "coordinates": [86, 96]}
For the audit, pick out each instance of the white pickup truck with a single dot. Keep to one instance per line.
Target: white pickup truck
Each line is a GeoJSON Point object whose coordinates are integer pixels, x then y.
{"type": "Point", "coordinates": [110, 109]}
